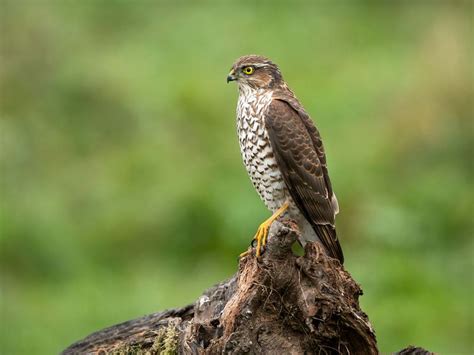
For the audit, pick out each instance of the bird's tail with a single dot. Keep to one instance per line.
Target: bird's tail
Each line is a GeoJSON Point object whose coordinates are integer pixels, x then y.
{"type": "Point", "coordinates": [328, 237]}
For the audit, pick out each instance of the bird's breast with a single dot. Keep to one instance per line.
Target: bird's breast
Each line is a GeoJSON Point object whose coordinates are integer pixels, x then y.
{"type": "Point", "coordinates": [256, 150]}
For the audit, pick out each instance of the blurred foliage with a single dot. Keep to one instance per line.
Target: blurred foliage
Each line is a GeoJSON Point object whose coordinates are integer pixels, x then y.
{"type": "Point", "coordinates": [122, 187]}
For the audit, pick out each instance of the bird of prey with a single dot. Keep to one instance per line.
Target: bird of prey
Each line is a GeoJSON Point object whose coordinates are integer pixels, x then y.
{"type": "Point", "coordinates": [283, 153]}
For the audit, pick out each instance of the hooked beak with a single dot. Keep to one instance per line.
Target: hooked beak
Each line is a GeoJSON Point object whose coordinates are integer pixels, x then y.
{"type": "Point", "coordinates": [231, 76]}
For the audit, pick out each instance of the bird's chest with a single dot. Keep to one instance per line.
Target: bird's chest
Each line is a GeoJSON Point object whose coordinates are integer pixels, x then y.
{"type": "Point", "coordinates": [256, 150]}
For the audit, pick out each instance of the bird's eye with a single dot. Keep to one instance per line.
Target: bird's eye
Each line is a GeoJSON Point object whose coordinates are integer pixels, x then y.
{"type": "Point", "coordinates": [248, 70]}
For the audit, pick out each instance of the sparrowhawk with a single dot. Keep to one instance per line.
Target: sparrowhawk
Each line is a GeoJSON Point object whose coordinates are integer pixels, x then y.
{"type": "Point", "coordinates": [283, 153]}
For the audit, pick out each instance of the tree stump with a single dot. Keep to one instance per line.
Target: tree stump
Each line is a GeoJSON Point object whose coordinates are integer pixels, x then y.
{"type": "Point", "coordinates": [279, 303]}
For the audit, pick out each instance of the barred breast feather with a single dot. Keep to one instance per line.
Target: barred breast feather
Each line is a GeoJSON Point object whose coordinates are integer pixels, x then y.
{"type": "Point", "coordinates": [256, 150]}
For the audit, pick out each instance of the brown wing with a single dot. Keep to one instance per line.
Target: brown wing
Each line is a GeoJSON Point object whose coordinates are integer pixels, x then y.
{"type": "Point", "coordinates": [300, 156]}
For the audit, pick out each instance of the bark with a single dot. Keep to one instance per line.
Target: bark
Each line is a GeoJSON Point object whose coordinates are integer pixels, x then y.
{"type": "Point", "coordinates": [278, 304]}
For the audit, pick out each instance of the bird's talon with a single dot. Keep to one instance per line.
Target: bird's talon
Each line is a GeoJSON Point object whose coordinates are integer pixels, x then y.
{"type": "Point", "coordinates": [259, 244]}
{"type": "Point", "coordinates": [265, 236]}
{"type": "Point", "coordinates": [261, 236]}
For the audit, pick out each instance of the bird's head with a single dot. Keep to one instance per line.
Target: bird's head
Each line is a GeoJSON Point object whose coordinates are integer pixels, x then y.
{"type": "Point", "coordinates": [256, 72]}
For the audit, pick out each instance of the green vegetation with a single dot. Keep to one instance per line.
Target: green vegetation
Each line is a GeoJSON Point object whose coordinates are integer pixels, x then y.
{"type": "Point", "coordinates": [122, 187]}
{"type": "Point", "coordinates": [166, 342]}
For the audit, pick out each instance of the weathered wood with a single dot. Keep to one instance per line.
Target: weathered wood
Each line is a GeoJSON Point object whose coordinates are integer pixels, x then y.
{"type": "Point", "coordinates": [278, 304]}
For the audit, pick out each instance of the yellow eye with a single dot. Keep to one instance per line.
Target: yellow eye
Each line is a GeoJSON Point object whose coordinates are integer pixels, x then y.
{"type": "Point", "coordinates": [248, 70]}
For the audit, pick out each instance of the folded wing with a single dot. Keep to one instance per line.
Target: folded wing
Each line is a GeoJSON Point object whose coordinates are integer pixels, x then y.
{"type": "Point", "coordinates": [300, 156]}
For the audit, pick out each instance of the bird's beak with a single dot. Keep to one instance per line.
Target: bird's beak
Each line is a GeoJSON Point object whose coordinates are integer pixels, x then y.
{"type": "Point", "coordinates": [231, 76]}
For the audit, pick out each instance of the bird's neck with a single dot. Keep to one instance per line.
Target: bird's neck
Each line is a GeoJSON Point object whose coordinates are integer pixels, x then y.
{"type": "Point", "coordinates": [249, 91]}
{"type": "Point", "coordinates": [252, 104]}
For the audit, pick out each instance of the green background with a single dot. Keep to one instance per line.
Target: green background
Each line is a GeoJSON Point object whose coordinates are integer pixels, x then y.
{"type": "Point", "coordinates": [123, 191]}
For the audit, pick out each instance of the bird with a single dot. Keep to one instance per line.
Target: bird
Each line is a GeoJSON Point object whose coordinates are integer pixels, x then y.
{"type": "Point", "coordinates": [283, 153]}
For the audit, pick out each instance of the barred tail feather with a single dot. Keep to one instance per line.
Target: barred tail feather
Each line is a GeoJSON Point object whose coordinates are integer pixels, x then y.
{"type": "Point", "coordinates": [328, 237]}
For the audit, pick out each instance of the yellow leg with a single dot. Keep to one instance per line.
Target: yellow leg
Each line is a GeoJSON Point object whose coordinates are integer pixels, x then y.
{"type": "Point", "coordinates": [262, 231]}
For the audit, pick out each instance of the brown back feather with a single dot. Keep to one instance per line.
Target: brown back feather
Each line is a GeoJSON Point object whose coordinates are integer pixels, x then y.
{"type": "Point", "coordinates": [300, 155]}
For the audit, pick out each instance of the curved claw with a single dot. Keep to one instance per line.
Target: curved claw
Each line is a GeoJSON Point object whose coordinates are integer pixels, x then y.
{"type": "Point", "coordinates": [260, 238]}
{"type": "Point", "coordinates": [262, 232]}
